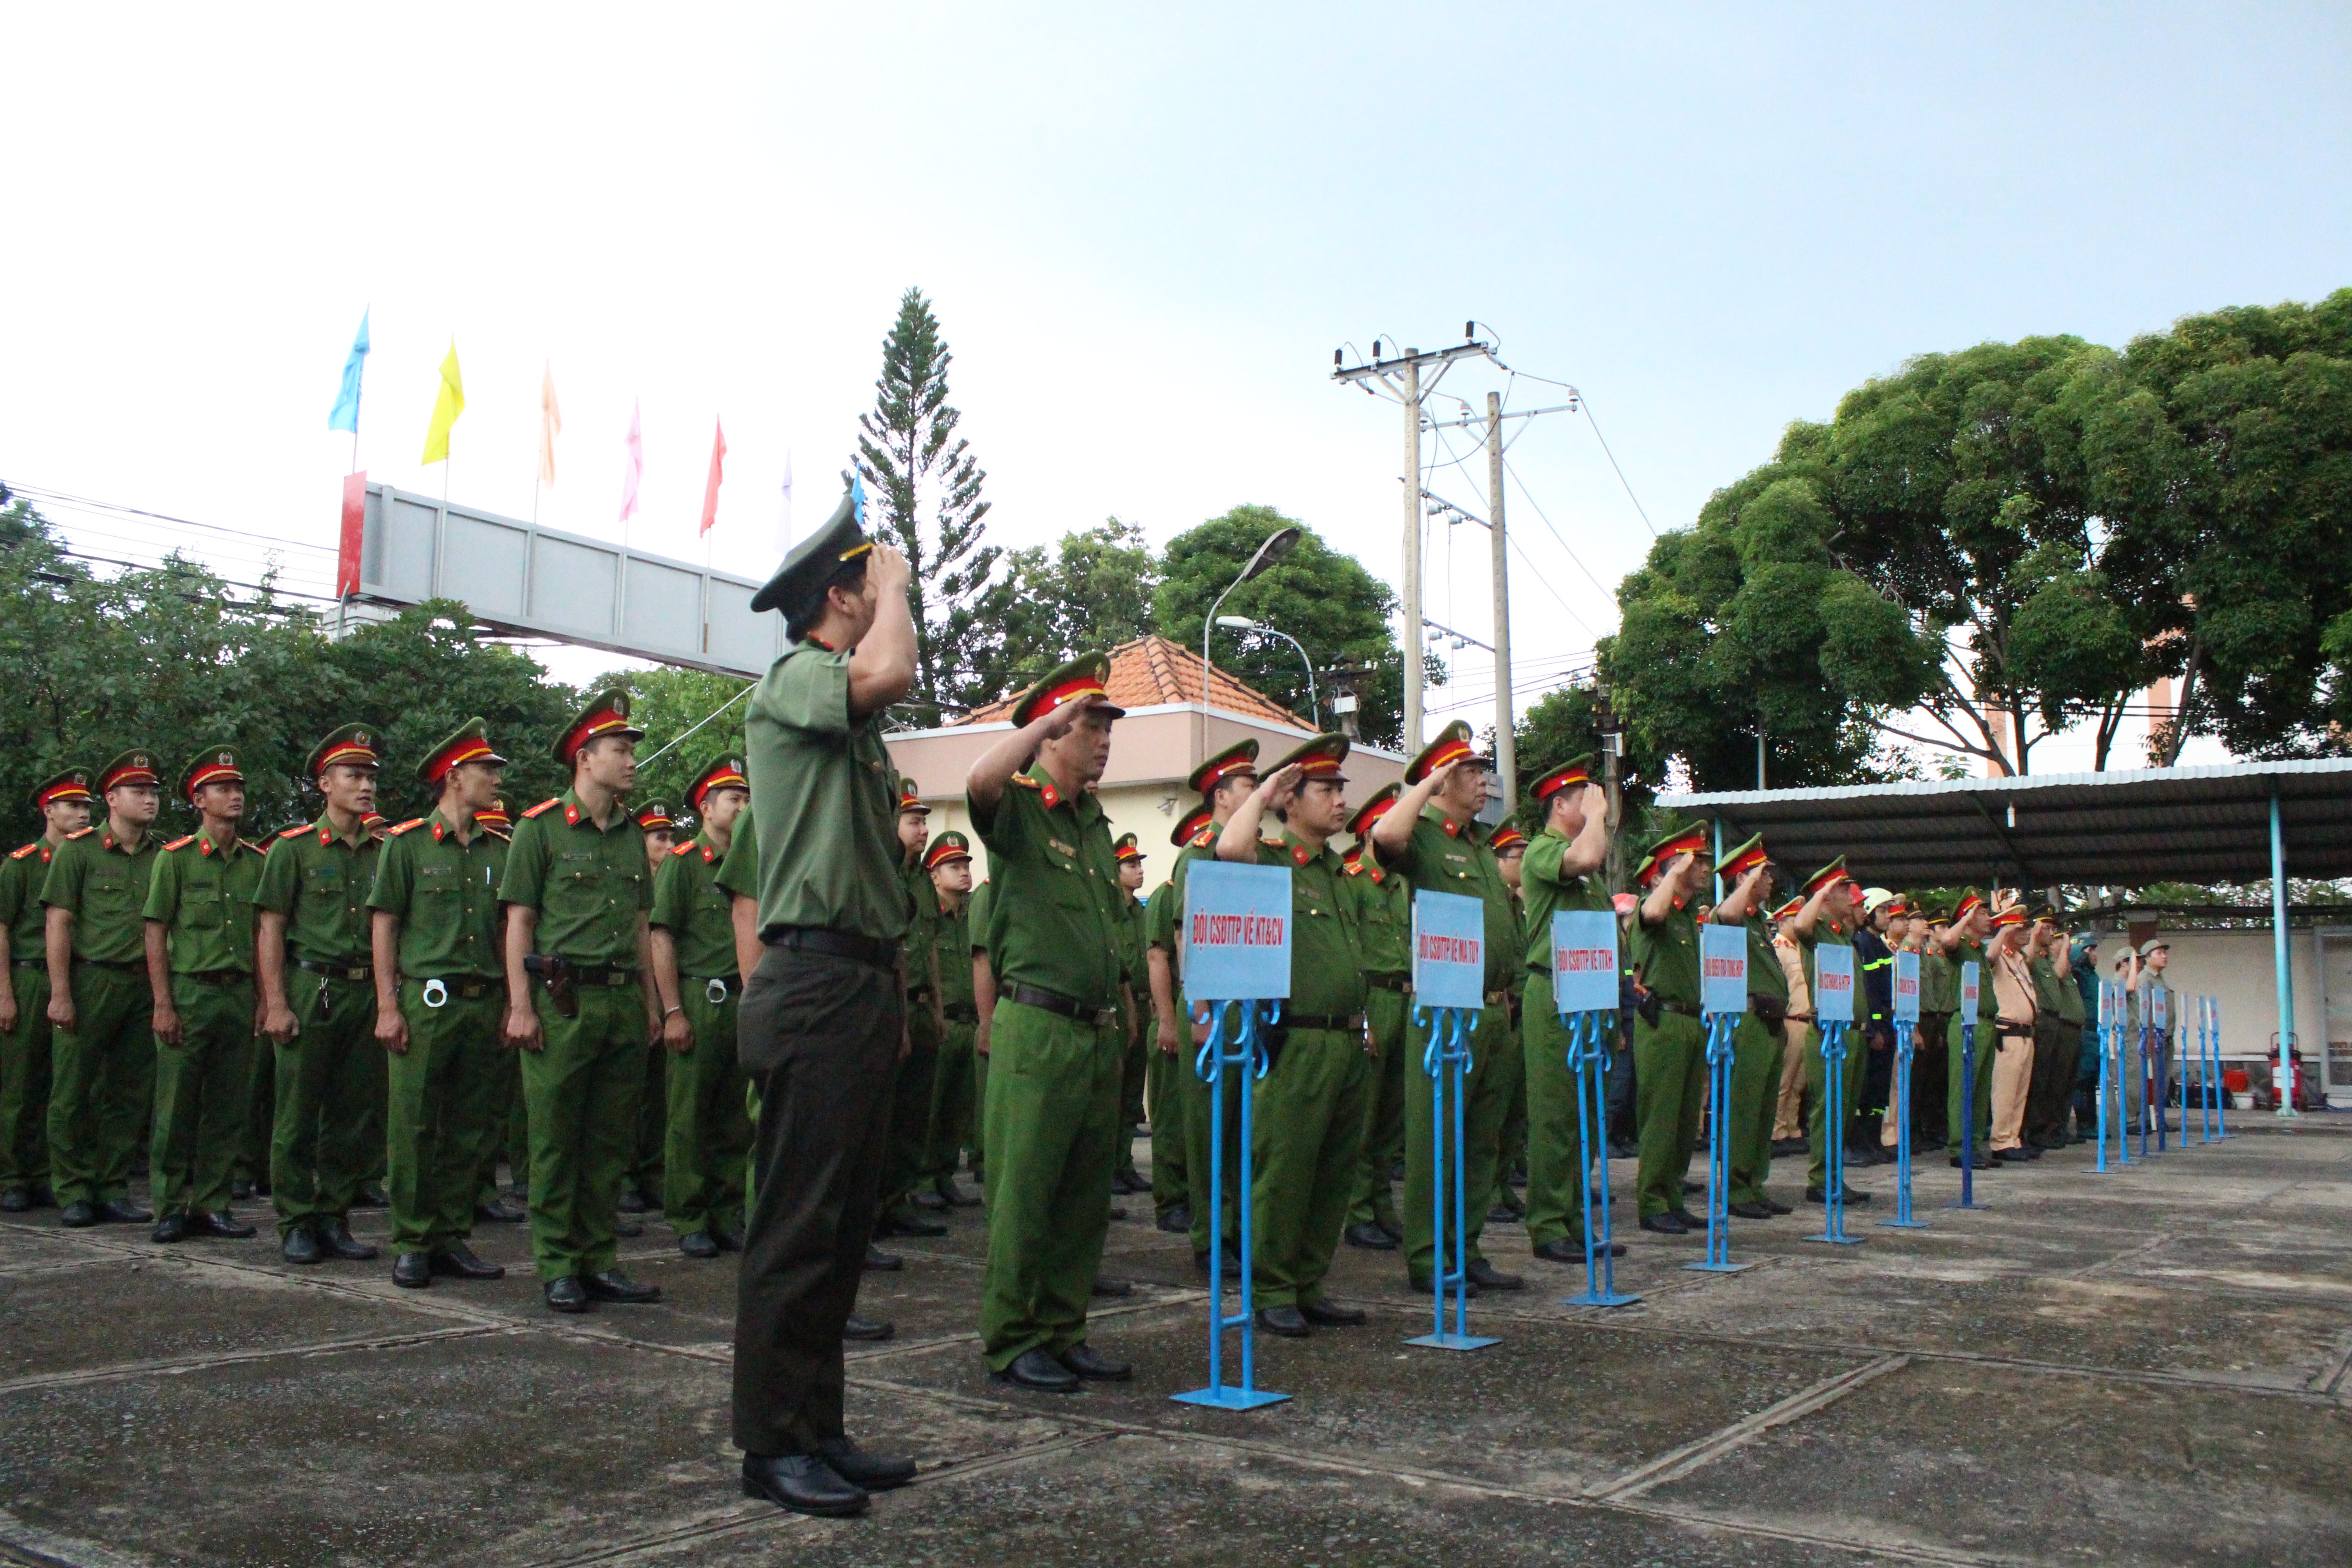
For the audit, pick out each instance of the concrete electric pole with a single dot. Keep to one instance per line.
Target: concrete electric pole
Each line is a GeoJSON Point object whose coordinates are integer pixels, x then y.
{"type": "Point", "coordinates": [1507, 741]}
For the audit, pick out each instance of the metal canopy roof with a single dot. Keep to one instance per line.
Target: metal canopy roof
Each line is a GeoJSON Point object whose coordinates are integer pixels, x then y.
{"type": "Point", "coordinates": [2190, 824]}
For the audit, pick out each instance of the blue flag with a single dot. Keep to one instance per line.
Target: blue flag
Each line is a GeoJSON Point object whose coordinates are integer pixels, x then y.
{"type": "Point", "coordinates": [346, 415]}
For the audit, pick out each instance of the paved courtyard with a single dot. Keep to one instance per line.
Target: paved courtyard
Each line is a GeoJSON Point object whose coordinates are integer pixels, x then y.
{"type": "Point", "coordinates": [2143, 1368]}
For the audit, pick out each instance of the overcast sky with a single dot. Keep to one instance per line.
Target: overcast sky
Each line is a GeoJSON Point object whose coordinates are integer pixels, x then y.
{"type": "Point", "coordinates": [1145, 232]}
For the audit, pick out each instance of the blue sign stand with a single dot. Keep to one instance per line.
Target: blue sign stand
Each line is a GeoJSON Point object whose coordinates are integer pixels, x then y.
{"type": "Point", "coordinates": [1723, 999]}
{"type": "Point", "coordinates": [1906, 1032]}
{"type": "Point", "coordinates": [1970, 996]}
{"type": "Point", "coordinates": [1449, 978]}
{"type": "Point", "coordinates": [2217, 1094]}
{"type": "Point", "coordinates": [1584, 988]}
{"type": "Point", "coordinates": [2160, 1027]}
{"type": "Point", "coordinates": [1834, 1017]}
{"type": "Point", "coordinates": [1238, 948]}
{"type": "Point", "coordinates": [2146, 1074]}
{"type": "Point", "coordinates": [2108, 1032]}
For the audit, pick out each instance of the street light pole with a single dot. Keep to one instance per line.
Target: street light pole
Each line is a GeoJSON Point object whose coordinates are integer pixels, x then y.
{"type": "Point", "coordinates": [1277, 544]}
{"type": "Point", "coordinates": [1243, 624]}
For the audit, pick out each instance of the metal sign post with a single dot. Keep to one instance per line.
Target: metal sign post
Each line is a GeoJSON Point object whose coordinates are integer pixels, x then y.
{"type": "Point", "coordinates": [1723, 999]}
{"type": "Point", "coordinates": [2109, 1030]}
{"type": "Point", "coordinates": [1449, 980]}
{"type": "Point", "coordinates": [1584, 989]}
{"type": "Point", "coordinates": [2219, 1092]}
{"type": "Point", "coordinates": [1906, 1032]}
{"type": "Point", "coordinates": [1237, 929]}
{"type": "Point", "coordinates": [2147, 1071]}
{"type": "Point", "coordinates": [2160, 1029]}
{"type": "Point", "coordinates": [1971, 977]}
{"type": "Point", "coordinates": [1834, 1017]}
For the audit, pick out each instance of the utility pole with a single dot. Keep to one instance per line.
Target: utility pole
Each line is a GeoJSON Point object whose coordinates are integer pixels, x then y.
{"type": "Point", "coordinates": [1612, 746]}
{"type": "Point", "coordinates": [1506, 740]}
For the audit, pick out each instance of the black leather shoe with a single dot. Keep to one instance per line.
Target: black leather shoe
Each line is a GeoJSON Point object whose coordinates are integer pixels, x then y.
{"type": "Point", "coordinates": [1569, 1249]}
{"type": "Point", "coordinates": [1325, 1315]}
{"type": "Point", "coordinates": [860, 1468]}
{"type": "Point", "coordinates": [1288, 1322]}
{"type": "Point", "coordinates": [240, 1189]}
{"type": "Point", "coordinates": [371, 1197]}
{"type": "Point", "coordinates": [698, 1243]}
{"type": "Point", "coordinates": [171, 1228]}
{"type": "Point", "coordinates": [301, 1246]}
{"type": "Point", "coordinates": [1853, 1196]}
{"type": "Point", "coordinates": [1505, 1214]}
{"type": "Point", "coordinates": [1486, 1277]}
{"type": "Point", "coordinates": [908, 1224]}
{"type": "Point", "coordinates": [500, 1211]}
{"type": "Point", "coordinates": [1750, 1211]}
{"type": "Point", "coordinates": [2026, 1151]}
{"type": "Point", "coordinates": [1128, 1183]}
{"type": "Point", "coordinates": [1690, 1220]}
{"type": "Point", "coordinates": [611, 1285]}
{"type": "Point", "coordinates": [1371, 1237]}
{"type": "Point", "coordinates": [1667, 1224]}
{"type": "Point", "coordinates": [1777, 1207]}
{"type": "Point", "coordinates": [730, 1238]}
{"type": "Point", "coordinates": [1233, 1262]}
{"type": "Point", "coordinates": [1119, 1212]}
{"type": "Point", "coordinates": [567, 1295]}
{"type": "Point", "coordinates": [1176, 1221]}
{"type": "Point", "coordinates": [413, 1270]}
{"type": "Point", "coordinates": [880, 1262]}
{"type": "Point", "coordinates": [1082, 1360]}
{"type": "Point", "coordinates": [1421, 1286]}
{"type": "Point", "coordinates": [1116, 1289]}
{"type": "Point", "coordinates": [955, 1196]}
{"type": "Point", "coordinates": [79, 1216]}
{"type": "Point", "coordinates": [803, 1483]}
{"type": "Point", "coordinates": [338, 1240]}
{"type": "Point", "coordinates": [633, 1202]}
{"type": "Point", "coordinates": [15, 1200]}
{"type": "Point", "coordinates": [457, 1261]}
{"type": "Point", "coordinates": [859, 1328]}
{"type": "Point", "coordinates": [123, 1211]}
{"type": "Point", "coordinates": [1035, 1369]}
{"type": "Point", "coordinates": [220, 1223]}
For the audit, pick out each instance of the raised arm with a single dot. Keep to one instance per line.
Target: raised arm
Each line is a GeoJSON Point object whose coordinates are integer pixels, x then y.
{"type": "Point", "coordinates": [1392, 834]}
{"type": "Point", "coordinates": [988, 776]}
{"type": "Point", "coordinates": [1238, 842]}
{"type": "Point", "coordinates": [882, 665]}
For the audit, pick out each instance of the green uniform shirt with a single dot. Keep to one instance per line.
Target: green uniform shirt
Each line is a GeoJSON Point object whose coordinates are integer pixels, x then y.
{"type": "Point", "coordinates": [2056, 995]}
{"type": "Point", "coordinates": [22, 914]}
{"type": "Point", "coordinates": [1327, 960]}
{"type": "Point", "coordinates": [822, 782]}
{"type": "Point", "coordinates": [1667, 954]}
{"type": "Point", "coordinates": [203, 894]}
{"type": "Point", "coordinates": [1051, 860]}
{"type": "Point", "coordinates": [589, 884]}
{"type": "Point", "coordinates": [1939, 982]}
{"type": "Point", "coordinates": [1202, 848]}
{"type": "Point", "coordinates": [320, 885]}
{"type": "Point", "coordinates": [1988, 1008]}
{"type": "Point", "coordinates": [445, 896]}
{"type": "Point", "coordinates": [104, 887]}
{"type": "Point", "coordinates": [690, 905]}
{"type": "Point", "coordinates": [1444, 856]}
{"type": "Point", "coordinates": [1545, 891]}
{"type": "Point", "coordinates": [1383, 917]}
{"type": "Point", "coordinates": [952, 941]}
{"type": "Point", "coordinates": [738, 869]}
{"type": "Point", "coordinates": [977, 918]}
{"type": "Point", "coordinates": [923, 909]}
{"type": "Point", "coordinates": [1129, 937]}
{"type": "Point", "coordinates": [1765, 975]}
{"type": "Point", "coordinates": [1159, 918]}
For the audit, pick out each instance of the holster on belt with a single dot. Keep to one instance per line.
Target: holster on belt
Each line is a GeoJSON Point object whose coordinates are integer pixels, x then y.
{"type": "Point", "coordinates": [1648, 1005]}
{"type": "Point", "coordinates": [561, 988]}
{"type": "Point", "coordinates": [1770, 1011]}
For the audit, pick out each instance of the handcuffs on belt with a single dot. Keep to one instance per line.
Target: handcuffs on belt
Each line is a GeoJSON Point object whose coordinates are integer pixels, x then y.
{"type": "Point", "coordinates": [437, 994]}
{"type": "Point", "coordinates": [714, 990]}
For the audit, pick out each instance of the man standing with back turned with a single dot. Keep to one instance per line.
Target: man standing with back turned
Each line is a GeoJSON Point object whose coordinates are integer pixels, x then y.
{"type": "Point", "coordinates": [824, 1014]}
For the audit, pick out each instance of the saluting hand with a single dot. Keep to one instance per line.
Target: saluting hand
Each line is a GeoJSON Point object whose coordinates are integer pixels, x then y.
{"type": "Point", "coordinates": [885, 566]}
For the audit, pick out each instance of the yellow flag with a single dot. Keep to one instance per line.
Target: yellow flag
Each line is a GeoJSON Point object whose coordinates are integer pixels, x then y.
{"type": "Point", "coordinates": [445, 409]}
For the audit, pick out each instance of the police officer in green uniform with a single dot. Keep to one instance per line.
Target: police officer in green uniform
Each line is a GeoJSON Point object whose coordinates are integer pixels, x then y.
{"type": "Point", "coordinates": [1757, 1041]}
{"type": "Point", "coordinates": [1058, 1054]}
{"type": "Point", "coordinates": [1430, 837]}
{"type": "Point", "coordinates": [1508, 844]}
{"type": "Point", "coordinates": [953, 1107]}
{"type": "Point", "coordinates": [512, 1140]}
{"type": "Point", "coordinates": [1384, 926]}
{"type": "Point", "coordinates": [1940, 998]}
{"type": "Point", "coordinates": [437, 961]}
{"type": "Point", "coordinates": [1562, 873]}
{"type": "Point", "coordinates": [1669, 1035]}
{"type": "Point", "coordinates": [1307, 1140]}
{"type": "Point", "coordinates": [1963, 943]}
{"type": "Point", "coordinates": [1827, 921]}
{"type": "Point", "coordinates": [1223, 781]}
{"type": "Point", "coordinates": [199, 918]}
{"type": "Point", "coordinates": [910, 1091]}
{"type": "Point", "coordinates": [2058, 1018]}
{"type": "Point", "coordinates": [1171, 1196]}
{"type": "Point", "coordinates": [695, 967]}
{"type": "Point", "coordinates": [319, 1012]}
{"type": "Point", "coordinates": [645, 1184]}
{"type": "Point", "coordinates": [980, 916]}
{"type": "Point", "coordinates": [62, 801]}
{"type": "Point", "coordinates": [102, 1048]}
{"type": "Point", "coordinates": [1137, 975]}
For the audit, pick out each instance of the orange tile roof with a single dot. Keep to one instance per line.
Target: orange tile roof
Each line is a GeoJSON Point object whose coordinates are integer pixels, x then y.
{"type": "Point", "coordinates": [1152, 671]}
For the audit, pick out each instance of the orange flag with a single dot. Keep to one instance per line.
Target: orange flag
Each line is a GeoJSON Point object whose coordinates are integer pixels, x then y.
{"type": "Point", "coordinates": [711, 488]}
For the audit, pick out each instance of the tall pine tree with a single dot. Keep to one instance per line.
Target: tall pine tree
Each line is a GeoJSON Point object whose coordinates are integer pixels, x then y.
{"type": "Point", "coordinates": [928, 484]}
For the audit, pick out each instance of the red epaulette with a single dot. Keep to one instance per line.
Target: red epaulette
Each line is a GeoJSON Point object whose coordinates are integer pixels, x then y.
{"type": "Point", "coordinates": [180, 843]}
{"type": "Point", "coordinates": [27, 849]}
{"type": "Point", "coordinates": [682, 848]}
{"type": "Point", "coordinates": [495, 832]}
{"type": "Point", "coordinates": [543, 806]}
{"type": "Point", "coordinates": [398, 829]}
{"type": "Point", "coordinates": [1025, 782]}
{"type": "Point", "coordinates": [1202, 839]}
{"type": "Point", "coordinates": [79, 833]}
{"type": "Point", "coordinates": [296, 831]}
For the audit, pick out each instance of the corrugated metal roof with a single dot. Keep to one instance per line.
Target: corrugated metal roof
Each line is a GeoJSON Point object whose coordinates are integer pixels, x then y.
{"type": "Point", "coordinates": [2193, 825]}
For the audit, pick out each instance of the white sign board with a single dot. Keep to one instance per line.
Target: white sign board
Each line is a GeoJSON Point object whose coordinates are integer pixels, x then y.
{"type": "Point", "coordinates": [1237, 931]}
{"type": "Point", "coordinates": [1907, 987]}
{"type": "Point", "coordinates": [1583, 961]}
{"type": "Point", "coordinates": [1832, 984]}
{"type": "Point", "coordinates": [1722, 968]}
{"type": "Point", "coordinates": [1449, 951]}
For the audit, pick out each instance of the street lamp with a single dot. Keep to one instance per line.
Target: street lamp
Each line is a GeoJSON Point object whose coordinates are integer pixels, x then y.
{"type": "Point", "coordinates": [1243, 624]}
{"type": "Point", "coordinates": [1277, 544]}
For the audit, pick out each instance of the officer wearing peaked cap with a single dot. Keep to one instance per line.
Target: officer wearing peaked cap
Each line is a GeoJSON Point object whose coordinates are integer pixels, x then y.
{"type": "Point", "coordinates": [1758, 1041]}
{"type": "Point", "coordinates": [1224, 781]}
{"type": "Point", "coordinates": [1171, 1096]}
{"type": "Point", "coordinates": [62, 801]}
{"type": "Point", "coordinates": [1827, 919]}
{"type": "Point", "coordinates": [947, 862]}
{"type": "Point", "coordinates": [1670, 1071]}
{"type": "Point", "coordinates": [910, 1091]}
{"type": "Point", "coordinates": [1383, 902]}
{"type": "Point", "coordinates": [1135, 1064]}
{"type": "Point", "coordinates": [641, 1189]}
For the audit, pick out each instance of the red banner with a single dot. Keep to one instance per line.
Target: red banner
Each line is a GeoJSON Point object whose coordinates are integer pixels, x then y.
{"type": "Point", "coordinates": [347, 560]}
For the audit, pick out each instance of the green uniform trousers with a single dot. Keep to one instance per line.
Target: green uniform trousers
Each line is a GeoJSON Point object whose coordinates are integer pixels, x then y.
{"type": "Point", "coordinates": [1372, 1200]}
{"type": "Point", "coordinates": [653, 1127]}
{"type": "Point", "coordinates": [329, 1077]}
{"type": "Point", "coordinates": [908, 1150]}
{"type": "Point", "coordinates": [979, 1144]}
{"type": "Point", "coordinates": [1135, 1066]}
{"type": "Point", "coordinates": [1170, 1189]}
{"type": "Point", "coordinates": [1557, 1157]}
{"type": "Point", "coordinates": [583, 1090]}
{"type": "Point", "coordinates": [952, 1103]}
{"type": "Point", "coordinates": [24, 1083]}
{"type": "Point", "coordinates": [1199, 1131]}
{"type": "Point", "coordinates": [260, 1115]}
{"type": "Point", "coordinates": [101, 1079]}
{"type": "Point", "coordinates": [1817, 1132]}
{"type": "Point", "coordinates": [709, 1128]}
{"type": "Point", "coordinates": [2057, 1046]}
{"type": "Point", "coordinates": [1307, 1140]}
{"type": "Point", "coordinates": [445, 1107]}
{"type": "Point", "coordinates": [1053, 1117]}
{"type": "Point", "coordinates": [1756, 1049]}
{"type": "Point", "coordinates": [1511, 1139]}
{"type": "Point", "coordinates": [1669, 1086]}
{"type": "Point", "coordinates": [1988, 1043]}
{"type": "Point", "coordinates": [505, 1111]}
{"type": "Point", "coordinates": [202, 1087]}
{"type": "Point", "coordinates": [1495, 1072]}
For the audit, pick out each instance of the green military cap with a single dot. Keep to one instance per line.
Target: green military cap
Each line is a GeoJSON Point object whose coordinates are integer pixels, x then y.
{"type": "Point", "coordinates": [653, 816]}
{"type": "Point", "coordinates": [133, 767]}
{"type": "Point", "coordinates": [2046, 912]}
{"type": "Point", "coordinates": [1085, 677]}
{"type": "Point", "coordinates": [1189, 828]}
{"type": "Point", "coordinates": [65, 783]}
{"type": "Point", "coordinates": [1319, 758]}
{"type": "Point", "coordinates": [953, 845]}
{"type": "Point", "coordinates": [606, 714]}
{"type": "Point", "coordinates": [1239, 758]}
{"type": "Point", "coordinates": [214, 764]}
{"type": "Point", "coordinates": [1741, 859]}
{"type": "Point", "coordinates": [356, 745]}
{"type": "Point", "coordinates": [1452, 746]}
{"type": "Point", "coordinates": [2153, 945]}
{"type": "Point", "coordinates": [1832, 872]}
{"type": "Point", "coordinates": [810, 568]}
{"type": "Point", "coordinates": [1127, 848]}
{"type": "Point", "coordinates": [719, 773]}
{"type": "Point", "coordinates": [1372, 810]}
{"type": "Point", "coordinates": [468, 743]}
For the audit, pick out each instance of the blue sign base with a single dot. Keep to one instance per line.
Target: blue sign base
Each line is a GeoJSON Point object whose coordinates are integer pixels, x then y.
{"type": "Point", "coordinates": [1230, 1398]}
{"type": "Point", "coordinates": [1905, 1224]}
{"type": "Point", "coordinates": [1965, 1203]}
{"type": "Point", "coordinates": [1600, 1299]}
{"type": "Point", "coordinates": [1717, 1268]}
{"type": "Point", "coordinates": [1454, 1342]}
{"type": "Point", "coordinates": [1836, 1240]}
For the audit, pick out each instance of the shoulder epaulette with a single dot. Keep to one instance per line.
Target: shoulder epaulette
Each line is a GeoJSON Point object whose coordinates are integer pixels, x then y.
{"type": "Point", "coordinates": [27, 849]}
{"type": "Point", "coordinates": [498, 833]}
{"type": "Point", "coordinates": [547, 805]}
{"type": "Point", "coordinates": [1352, 867]}
{"type": "Point", "coordinates": [180, 843]}
{"type": "Point", "coordinates": [247, 844]}
{"type": "Point", "coordinates": [1271, 843]}
{"type": "Point", "coordinates": [1025, 782]}
{"type": "Point", "coordinates": [79, 833]}
{"type": "Point", "coordinates": [1202, 839]}
{"type": "Point", "coordinates": [398, 829]}
{"type": "Point", "coordinates": [682, 848]}
{"type": "Point", "coordinates": [296, 831]}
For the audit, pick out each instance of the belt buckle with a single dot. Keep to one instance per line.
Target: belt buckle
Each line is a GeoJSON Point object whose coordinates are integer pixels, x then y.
{"type": "Point", "coordinates": [714, 990]}
{"type": "Point", "coordinates": [436, 993]}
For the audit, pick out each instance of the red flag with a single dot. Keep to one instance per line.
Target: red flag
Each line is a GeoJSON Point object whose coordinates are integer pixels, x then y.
{"type": "Point", "coordinates": [347, 557]}
{"type": "Point", "coordinates": [710, 489]}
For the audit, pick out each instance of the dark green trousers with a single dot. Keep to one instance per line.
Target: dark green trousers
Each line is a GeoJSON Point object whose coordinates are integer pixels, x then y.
{"type": "Point", "coordinates": [583, 1090]}
{"type": "Point", "coordinates": [709, 1129]}
{"type": "Point", "coordinates": [1556, 1158]}
{"type": "Point", "coordinates": [1170, 1188]}
{"type": "Point", "coordinates": [907, 1153]}
{"type": "Point", "coordinates": [1306, 1143]}
{"type": "Point", "coordinates": [505, 1135]}
{"type": "Point", "coordinates": [1373, 1198]}
{"type": "Point", "coordinates": [102, 1081]}
{"type": "Point", "coordinates": [1756, 1050]}
{"type": "Point", "coordinates": [953, 1104]}
{"type": "Point", "coordinates": [1669, 1086]}
{"type": "Point", "coordinates": [260, 1114]}
{"type": "Point", "coordinates": [202, 1086]}
{"type": "Point", "coordinates": [1988, 1042]}
{"type": "Point", "coordinates": [444, 1108]}
{"type": "Point", "coordinates": [1054, 1085]}
{"type": "Point", "coordinates": [2057, 1044]}
{"type": "Point", "coordinates": [1135, 1068]}
{"type": "Point", "coordinates": [24, 1053]}
{"type": "Point", "coordinates": [978, 1147]}
{"type": "Point", "coordinates": [331, 1077]}
{"type": "Point", "coordinates": [1495, 1072]}
{"type": "Point", "coordinates": [1818, 1133]}
{"type": "Point", "coordinates": [653, 1127]}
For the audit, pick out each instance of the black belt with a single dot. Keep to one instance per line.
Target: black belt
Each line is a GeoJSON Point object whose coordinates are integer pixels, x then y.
{"type": "Point", "coordinates": [605, 974]}
{"type": "Point", "coordinates": [471, 988]}
{"type": "Point", "coordinates": [1680, 1009]}
{"type": "Point", "coordinates": [918, 992]}
{"type": "Point", "coordinates": [1339, 1023]}
{"type": "Point", "coordinates": [834, 944]}
{"type": "Point", "coordinates": [1402, 982]}
{"type": "Point", "coordinates": [351, 971]}
{"type": "Point", "coordinates": [118, 963]}
{"type": "Point", "coordinates": [2012, 1026]}
{"type": "Point", "coordinates": [960, 1013]}
{"type": "Point", "coordinates": [216, 976]}
{"type": "Point", "coordinates": [29, 963]}
{"type": "Point", "coordinates": [1068, 1007]}
{"type": "Point", "coordinates": [726, 986]}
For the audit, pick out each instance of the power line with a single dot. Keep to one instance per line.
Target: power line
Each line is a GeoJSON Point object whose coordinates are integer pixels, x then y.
{"type": "Point", "coordinates": [63, 497]}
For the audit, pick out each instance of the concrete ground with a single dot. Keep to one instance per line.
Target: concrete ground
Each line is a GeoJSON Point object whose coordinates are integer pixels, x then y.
{"type": "Point", "coordinates": [2146, 1367]}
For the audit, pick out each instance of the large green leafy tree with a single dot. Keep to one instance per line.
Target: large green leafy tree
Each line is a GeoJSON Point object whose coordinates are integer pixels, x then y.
{"type": "Point", "coordinates": [1093, 590]}
{"type": "Point", "coordinates": [666, 704]}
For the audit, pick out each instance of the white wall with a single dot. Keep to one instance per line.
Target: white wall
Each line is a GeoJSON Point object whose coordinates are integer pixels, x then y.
{"type": "Point", "coordinates": [2238, 967]}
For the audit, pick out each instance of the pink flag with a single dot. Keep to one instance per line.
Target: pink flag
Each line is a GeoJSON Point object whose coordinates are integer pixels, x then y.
{"type": "Point", "coordinates": [634, 471]}
{"type": "Point", "coordinates": [710, 489]}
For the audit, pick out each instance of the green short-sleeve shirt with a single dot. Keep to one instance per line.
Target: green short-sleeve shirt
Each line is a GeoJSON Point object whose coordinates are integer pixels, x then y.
{"type": "Point", "coordinates": [923, 917]}
{"type": "Point", "coordinates": [1447, 857]}
{"type": "Point", "coordinates": [1666, 955]}
{"type": "Point", "coordinates": [590, 885]}
{"type": "Point", "coordinates": [698, 914]}
{"type": "Point", "coordinates": [952, 948]}
{"type": "Point", "coordinates": [445, 896]}
{"type": "Point", "coordinates": [22, 914]}
{"type": "Point", "coordinates": [1383, 917]}
{"type": "Point", "coordinates": [1326, 960]}
{"type": "Point", "coordinates": [821, 780]}
{"type": "Point", "coordinates": [1765, 975]}
{"type": "Point", "coordinates": [103, 885]}
{"type": "Point", "coordinates": [203, 896]}
{"type": "Point", "coordinates": [1939, 982]}
{"type": "Point", "coordinates": [978, 916]}
{"type": "Point", "coordinates": [1545, 891]}
{"type": "Point", "coordinates": [1057, 920]}
{"type": "Point", "coordinates": [321, 884]}
{"type": "Point", "coordinates": [2057, 993]}
{"type": "Point", "coordinates": [1159, 918]}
